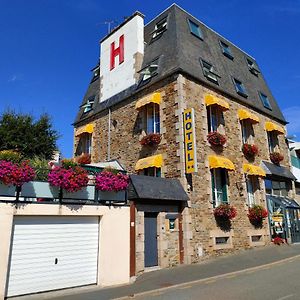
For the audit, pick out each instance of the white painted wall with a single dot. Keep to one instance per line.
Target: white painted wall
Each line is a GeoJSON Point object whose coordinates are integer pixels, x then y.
{"type": "Point", "coordinates": [122, 76]}
{"type": "Point", "coordinates": [113, 259]}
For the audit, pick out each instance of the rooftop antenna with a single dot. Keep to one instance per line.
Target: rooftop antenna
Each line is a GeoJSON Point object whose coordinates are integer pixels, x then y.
{"type": "Point", "coordinates": [108, 23]}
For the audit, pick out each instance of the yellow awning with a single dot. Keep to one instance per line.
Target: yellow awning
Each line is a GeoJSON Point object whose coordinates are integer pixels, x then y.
{"type": "Point", "coordinates": [247, 115]}
{"type": "Point", "coordinates": [270, 126]}
{"type": "Point", "coordinates": [89, 128]}
{"type": "Point", "coordinates": [212, 100]}
{"type": "Point", "coordinates": [253, 170]}
{"type": "Point", "coordinates": [153, 98]}
{"type": "Point", "coordinates": [148, 162]}
{"type": "Point", "coordinates": [220, 162]}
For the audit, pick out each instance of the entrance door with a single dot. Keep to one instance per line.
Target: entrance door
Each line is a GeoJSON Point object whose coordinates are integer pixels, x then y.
{"type": "Point", "coordinates": [295, 230]}
{"type": "Point", "coordinates": [150, 222]}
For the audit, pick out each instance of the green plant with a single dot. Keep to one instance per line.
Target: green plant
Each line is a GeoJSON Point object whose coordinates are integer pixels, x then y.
{"type": "Point", "coordinates": [68, 163]}
{"type": "Point", "coordinates": [10, 155]}
{"type": "Point", "coordinates": [41, 168]}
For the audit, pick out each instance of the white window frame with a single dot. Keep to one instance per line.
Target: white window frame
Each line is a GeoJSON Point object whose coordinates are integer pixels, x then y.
{"type": "Point", "coordinates": [218, 192]}
{"type": "Point", "coordinates": [155, 118]}
{"type": "Point", "coordinates": [251, 197]}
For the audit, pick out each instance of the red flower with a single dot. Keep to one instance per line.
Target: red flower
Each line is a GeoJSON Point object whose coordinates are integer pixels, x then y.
{"type": "Point", "coordinates": [216, 139]}
{"type": "Point", "coordinates": [83, 159]}
{"type": "Point", "coordinates": [276, 157]}
{"type": "Point", "coordinates": [225, 211]}
{"type": "Point", "coordinates": [250, 150]}
{"type": "Point", "coordinates": [278, 241]}
{"type": "Point", "coordinates": [151, 139]}
{"type": "Point", "coordinates": [257, 214]}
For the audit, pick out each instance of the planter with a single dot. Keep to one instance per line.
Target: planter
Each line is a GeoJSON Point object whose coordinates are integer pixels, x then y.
{"type": "Point", "coordinates": [216, 139]}
{"type": "Point", "coordinates": [7, 190]}
{"type": "Point", "coordinates": [87, 193]}
{"type": "Point", "coordinates": [276, 158]}
{"type": "Point", "coordinates": [39, 189]}
{"type": "Point", "coordinates": [112, 196]}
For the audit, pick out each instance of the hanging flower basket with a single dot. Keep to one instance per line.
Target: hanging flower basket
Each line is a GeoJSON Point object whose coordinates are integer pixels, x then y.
{"type": "Point", "coordinates": [276, 158]}
{"type": "Point", "coordinates": [107, 181]}
{"type": "Point", "coordinates": [256, 215]}
{"type": "Point", "coordinates": [83, 159]}
{"type": "Point", "coordinates": [216, 139]}
{"type": "Point", "coordinates": [16, 174]}
{"type": "Point", "coordinates": [225, 211]}
{"type": "Point", "coordinates": [151, 139]}
{"type": "Point", "coordinates": [250, 150]}
{"type": "Point", "coordinates": [71, 179]}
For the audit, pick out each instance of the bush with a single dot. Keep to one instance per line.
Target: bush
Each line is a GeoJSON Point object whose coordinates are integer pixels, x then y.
{"type": "Point", "coordinates": [10, 155]}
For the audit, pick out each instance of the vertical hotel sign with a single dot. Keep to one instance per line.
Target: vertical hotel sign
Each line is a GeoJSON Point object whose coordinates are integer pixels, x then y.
{"type": "Point", "coordinates": [189, 141]}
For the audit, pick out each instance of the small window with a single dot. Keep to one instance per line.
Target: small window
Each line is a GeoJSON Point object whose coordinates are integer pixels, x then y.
{"type": "Point", "coordinates": [226, 50]}
{"type": "Point", "coordinates": [88, 106]}
{"type": "Point", "coordinates": [219, 186]}
{"type": "Point", "coordinates": [148, 72]}
{"type": "Point", "coordinates": [272, 141]}
{"type": "Point", "coordinates": [265, 100]}
{"type": "Point", "coordinates": [84, 145]}
{"type": "Point", "coordinates": [256, 238]}
{"type": "Point", "coordinates": [252, 67]}
{"type": "Point", "coordinates": [215, 118]}
{"type": "Point", "coordinates": [160, 27]}
{"type": "Point", "coordinates": [252, 184]}
{"type": "Point", "coordinates": [247, 132]}
{"type": "Point", "coordinates": [195, 30]}
{"type": "Point", "coordinates": [154, 172]}
{"type": "Point", "coordinates": [209, 71]}
{"type": "Point", "coordinates": [222, 240]}
{"type": "Point", "coordinates": [151, 118]}
{"type": "Point", "coordinates": [240, 88]}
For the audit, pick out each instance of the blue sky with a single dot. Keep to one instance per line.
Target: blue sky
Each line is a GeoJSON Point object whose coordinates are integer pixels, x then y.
{"type": "Point", "coordinates": [49, 46]}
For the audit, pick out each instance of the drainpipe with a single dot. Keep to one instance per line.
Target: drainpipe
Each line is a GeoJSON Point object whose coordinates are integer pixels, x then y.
{"type": "Point", "coordinates": [109, 128]}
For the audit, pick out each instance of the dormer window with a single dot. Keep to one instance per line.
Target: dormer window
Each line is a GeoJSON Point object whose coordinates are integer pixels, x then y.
{"type": "Point", "coordinates": [149, 71]}
{"type": "Point", "coordinates": [88, 106]}
{"type": "Point", "coordinates": [252, 67]}
{"type": "Point", "coordinates": [226, 50]}
{"type": "Point", "coordinates": [240, 88]}
{"type": "Point", "coordinates": [160, 27]}
{"type": "Point", "coordinates": [96, 73]}
{"type": "Point", "coordinates": [195, 30]}
{"type": "Point", "coordinates": [209, 71]}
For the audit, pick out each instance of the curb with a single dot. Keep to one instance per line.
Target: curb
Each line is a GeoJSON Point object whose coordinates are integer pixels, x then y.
{"type": "Point", "coordinates": [179, 285]}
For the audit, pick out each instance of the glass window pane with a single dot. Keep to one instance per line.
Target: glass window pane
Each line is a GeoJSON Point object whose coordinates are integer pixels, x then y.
{"type": "Point", "coordinates": [150, 118]}
{"type": "Point", "coordinates": [195, 29]}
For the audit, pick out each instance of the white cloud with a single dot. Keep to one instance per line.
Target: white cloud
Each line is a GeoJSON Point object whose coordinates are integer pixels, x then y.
{"type": "Point", "coordinates": [13, 78]}
{"type": "Point", "coordinates": [292, 115]}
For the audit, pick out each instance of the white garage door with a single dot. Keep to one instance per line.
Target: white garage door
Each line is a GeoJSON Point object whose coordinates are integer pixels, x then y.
{"type": "Point", "coordinates": [51, 253]}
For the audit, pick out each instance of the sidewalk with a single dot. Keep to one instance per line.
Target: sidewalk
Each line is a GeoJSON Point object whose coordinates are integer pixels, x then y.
{"type": "Point", "coordinates": [181, 274]}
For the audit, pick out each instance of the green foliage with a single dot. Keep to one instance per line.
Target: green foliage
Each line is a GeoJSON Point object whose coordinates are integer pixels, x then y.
{"type": "Point", "coordinates": [69, 163]}
{"type": "Point", "coordinates": [29, 137]}
{"type": "Point", "coordinates": [41, 168]}
{"type": "Point", "coordinates": [10, 155]}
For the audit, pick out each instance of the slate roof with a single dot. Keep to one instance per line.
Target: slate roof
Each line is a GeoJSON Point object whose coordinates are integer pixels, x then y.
{"type": "Point", "coordinates": [278, 171]}
{"type": "Point", "coordinates": [156, 188]}
{"type": "Point", "coordinates": [179, 51]}
{"type": "Point", "coordinates": [284, 201]}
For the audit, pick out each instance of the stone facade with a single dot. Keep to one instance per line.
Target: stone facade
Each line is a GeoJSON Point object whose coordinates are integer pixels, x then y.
{"type": "Point", "coordinates": [200, 231]}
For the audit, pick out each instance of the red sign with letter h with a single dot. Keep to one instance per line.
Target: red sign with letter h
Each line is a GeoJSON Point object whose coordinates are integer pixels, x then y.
{"type": "Point", "coordinates": [114, 52]}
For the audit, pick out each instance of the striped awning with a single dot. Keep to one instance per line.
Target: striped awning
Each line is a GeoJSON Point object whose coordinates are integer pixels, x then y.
{"type": "Point", "coordinates": [149, 162]}
{"type": "Point", "coordinates": [153, 98]}
{"type": "Point", "coordinates": [220, 162]}
{"type": "Point", "coordinates": [247, 115]}
{"type": "Point", "coordinates": [213, 100]}
{"type": "Point", "coordinates": [270, 126]}
{"type": "Point", "coordinates": [253, 170]}
{"type": "Point", "coordinates": [89, 128]}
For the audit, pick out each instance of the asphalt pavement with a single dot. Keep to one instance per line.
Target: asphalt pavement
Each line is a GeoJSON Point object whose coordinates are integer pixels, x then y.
{"type": "Point", "coordinates": [168, 278]}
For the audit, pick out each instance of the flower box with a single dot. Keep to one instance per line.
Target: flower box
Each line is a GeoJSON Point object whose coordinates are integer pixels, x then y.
{"type": "Point", "coordinates": [119, 196]}
{"type": "Point", "coordinates": [87, 193]}
{"type": "Point", "coordinates": [216, 139]}
{"type": "Point", "coordinates": [151, 139]}
{"type": "Point", "coordinates": [276, 157]}
{"type": "Point", "coordinates": [256, 215]}
{"type": "Point", "coordinates": [250, 150]}
{"type": "Point", "coordinates": [7, 190]}
{"type": "Point", "coordinates": [225, 211]}
{"type": "Point", "coordinates": [39, 189]}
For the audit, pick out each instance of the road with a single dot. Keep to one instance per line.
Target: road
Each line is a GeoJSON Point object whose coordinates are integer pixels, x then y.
{"type": "Point", "coordinates": [276, 282]}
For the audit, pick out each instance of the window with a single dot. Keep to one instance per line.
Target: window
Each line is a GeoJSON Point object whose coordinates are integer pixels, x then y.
{"type": "Point", "coordinates": [226, 50]}
{"type": "Point", "coordinates": [160, 27]}
{"type": "Point", "coordinates": [219, 186]}
{"type": "Point", "coordinates": [222, 240]}
{"type": "Point", "coordinates": [278, 188]}
{"type": "Point", "coordinates": [195, 30]}
{"type": "Point", "coordinates": [252, 67]}
{"type": "Point", "coordinates": [265, 100]}
{"type": "Point", "coordinates": [148, 72]}
{"type": "Point", "coordinates": [240, 88]}
{"type": "Point", "coordinates": [151, 119]}
{"type": "Point", "coordinates": [252, 184]}
{"type": "Point", "coordinates": [209, 72]}
{"type": "Point", "coordinates": [88, 106]}
{"type": "Point", "coordinates": [85, 144]}
{"type": "Point", "coordinates": [215, 118]}
{"type": "Point", "coordinates": [272, 141]}
{"type": "Point", "coordinates": [247, 132]}
{"type": "Point", "coordinates": [154, 172]}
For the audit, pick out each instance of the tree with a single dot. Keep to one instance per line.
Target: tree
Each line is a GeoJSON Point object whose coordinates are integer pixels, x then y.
{"type": "Point", "coordinates": [30, 137]}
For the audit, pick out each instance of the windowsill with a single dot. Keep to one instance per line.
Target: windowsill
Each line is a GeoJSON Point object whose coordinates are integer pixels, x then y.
{"type": "Point", "coordinates": [242, 94]}
{"type": "Point", "coordinates": [228, 55]}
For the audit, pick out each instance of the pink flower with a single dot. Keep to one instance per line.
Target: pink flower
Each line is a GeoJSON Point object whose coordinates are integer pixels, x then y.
{"type": "Point", "coordinates": [107, 181]}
